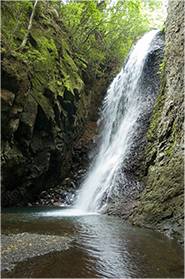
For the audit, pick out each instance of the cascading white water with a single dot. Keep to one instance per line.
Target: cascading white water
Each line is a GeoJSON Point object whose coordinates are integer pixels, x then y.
{"type": "Point", "coordinates": [122, 107]}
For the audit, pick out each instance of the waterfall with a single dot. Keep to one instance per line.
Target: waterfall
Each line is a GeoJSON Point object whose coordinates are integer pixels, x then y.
{"type": "Point", "coordinates": [122, 107]}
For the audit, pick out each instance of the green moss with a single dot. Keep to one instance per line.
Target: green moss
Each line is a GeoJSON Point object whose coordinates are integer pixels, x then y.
{"type": "Point", "coordinates": [163, 182]}
{"type": "Point", "coordinates": [162, 67]}
{"type": "Point", "coordinates": [56, 86]}
{"type": "Point", "coordinates": [176, 135]}
{"type": "Point", "coordinates": [157, 111]}
{"type": "Point", "coordinates": [149, 207]}
{"type": "Point", "coordinates": [169, 150]}
{"type": "Point", "coordinates": [71, 79]}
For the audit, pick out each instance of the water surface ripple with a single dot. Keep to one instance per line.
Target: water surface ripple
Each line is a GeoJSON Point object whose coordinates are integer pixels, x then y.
{"type": "Point", "coordinates": [101, 247]}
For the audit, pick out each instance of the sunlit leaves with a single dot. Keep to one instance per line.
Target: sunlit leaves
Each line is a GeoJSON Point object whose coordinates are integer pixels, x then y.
{"type": "Point", "coordinates": [105, 30]}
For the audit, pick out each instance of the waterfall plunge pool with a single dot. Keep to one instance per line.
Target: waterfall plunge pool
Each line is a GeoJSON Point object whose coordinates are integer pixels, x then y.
{"type": "Point", "coordinates": [97, 246]}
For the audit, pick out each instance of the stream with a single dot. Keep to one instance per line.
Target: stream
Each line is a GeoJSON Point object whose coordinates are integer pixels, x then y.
{"type": "Point", "coordinates": [84, 246]}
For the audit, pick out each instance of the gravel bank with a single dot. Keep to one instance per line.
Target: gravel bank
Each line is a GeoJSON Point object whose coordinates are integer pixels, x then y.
{"type": "Point", "coordinates": [19, 247]}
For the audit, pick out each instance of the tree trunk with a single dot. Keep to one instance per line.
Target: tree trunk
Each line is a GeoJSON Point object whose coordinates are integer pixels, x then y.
{"type": "Point", "coordinates": [29, 26]}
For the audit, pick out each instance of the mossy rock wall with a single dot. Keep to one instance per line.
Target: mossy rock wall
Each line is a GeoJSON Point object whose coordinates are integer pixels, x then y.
{"type": "Point", "coordinates": [161, 204]}
{"type": "Point", "coordinates": [48, 94]}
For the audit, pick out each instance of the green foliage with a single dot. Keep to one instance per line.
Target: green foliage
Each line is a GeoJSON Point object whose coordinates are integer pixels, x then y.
{"type": "Point", "coordinates": [155, 11]}
{"type": "Point", "coordinates": [101, 32]}
{"type": "Point", "coordinates": [162, 67]}
{"type": "Point", "coordinates": [53, 69]}
{"type": "Point", "coordinates": [93, 36]}
{"type": "Point", "coordinates": [15, 21]}
{"type": "Point", "coordinates": [104, 32]}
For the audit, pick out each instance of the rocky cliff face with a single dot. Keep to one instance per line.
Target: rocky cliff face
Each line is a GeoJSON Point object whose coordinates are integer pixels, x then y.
{"type": "Point", "coordinates": [47, 93]}
{"type": "Point", "coordinates": [161, 203]}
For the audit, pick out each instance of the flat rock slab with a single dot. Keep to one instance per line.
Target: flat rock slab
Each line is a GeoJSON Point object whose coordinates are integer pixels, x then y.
{"type": "Point", "coordinates": [18, 247]}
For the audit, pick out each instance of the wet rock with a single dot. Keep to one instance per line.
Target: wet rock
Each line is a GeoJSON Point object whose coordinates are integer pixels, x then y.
{"type": "Point", "coordinates": [43, 194]}
{"type": "Point", "coordinates": [129, 183]}
{"type": "Point", "coordinates": [57, 204]}
{"type": "Point", "coordinates": [73, 185]}
{"type": "Point", "coordinates": [7, 97]}
{"type": "Point", "coordinates": [161, 204]}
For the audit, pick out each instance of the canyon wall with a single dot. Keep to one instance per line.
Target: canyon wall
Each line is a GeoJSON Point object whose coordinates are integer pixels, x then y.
{"type": "Point", "coordinates": [161, 204]}
{"type": "Point", "coordinates": [48, 93]}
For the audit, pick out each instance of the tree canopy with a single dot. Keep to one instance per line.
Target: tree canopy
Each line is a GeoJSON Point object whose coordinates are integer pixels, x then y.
{"type": "Point", "coordinates": [101, 31]}
{"type": "Point", "coordinates": [106, 29]}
